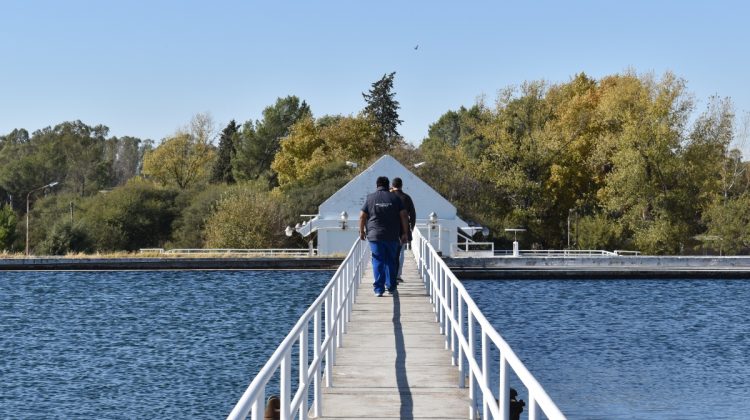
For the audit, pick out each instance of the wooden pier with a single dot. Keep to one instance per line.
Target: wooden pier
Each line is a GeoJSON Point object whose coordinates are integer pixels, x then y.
{"type": "Point", "coordinates": [393, 362]}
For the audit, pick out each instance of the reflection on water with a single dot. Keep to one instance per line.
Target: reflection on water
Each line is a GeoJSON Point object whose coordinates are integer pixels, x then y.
{"type": "Point", "coordinates": [629, 349]}
{"type": "Point", "coordinates": [164, 344]}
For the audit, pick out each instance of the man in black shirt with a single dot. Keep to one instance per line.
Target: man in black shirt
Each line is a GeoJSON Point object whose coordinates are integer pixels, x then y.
{"type": "Point", "coordinates": [412, 215]}
{"type": "Point", "coordinates": [383, 222]}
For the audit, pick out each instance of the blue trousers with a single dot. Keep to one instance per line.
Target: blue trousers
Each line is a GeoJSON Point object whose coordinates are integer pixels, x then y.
{"type": "Point", "coordinates": [384, 265]}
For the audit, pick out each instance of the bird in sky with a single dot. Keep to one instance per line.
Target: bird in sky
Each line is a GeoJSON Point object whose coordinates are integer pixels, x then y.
{"type": "Point", "coordinates": [416, 46]}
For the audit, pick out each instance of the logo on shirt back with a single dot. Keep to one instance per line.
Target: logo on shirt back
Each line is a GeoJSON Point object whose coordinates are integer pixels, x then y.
{"type": "Point", "coordinates": [382, 204]}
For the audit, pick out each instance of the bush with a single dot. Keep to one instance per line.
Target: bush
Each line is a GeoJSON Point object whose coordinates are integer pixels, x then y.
{"type": "Point", "coordinates": [247, 218]}
{"type": "Point", "coordinates": [8, 222]}
{"type": "Point", "coordinates": [65, 237]}
{"type": "Point", "coordinates": [136, 215]}
{"type": "Point", "coordinates": [598, 232]}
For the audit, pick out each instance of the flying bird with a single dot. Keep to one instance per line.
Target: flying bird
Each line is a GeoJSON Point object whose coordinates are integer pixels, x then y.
{"type": "Point", "coordinates": [416, 46]}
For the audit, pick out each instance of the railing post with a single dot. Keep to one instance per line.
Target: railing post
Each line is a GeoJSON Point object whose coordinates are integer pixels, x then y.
{"type": "Point", "coordinates": [472, 351]}
{"type": "Point", "coordinates": [327, 336]}
{"type": "Point", "coordinates": [533, 406]}
{"type": "Point", "coordinates": [438, 298]}
{"type": "Point", "coordinates": [334, 315]}
{"type": "Point", "coordinates": [304, 380]}
{"type": "Point", "coordinates": [504, 391]}
{"type": "Point", "coordinates": [317, 391]}
{"type": "Point", "coordinates": [285, 387]}
{"type": "Point", "coordinates": [485, 373]}
{"type": "Point", "coordinates": [447, 308]}
{"type": "Point", "coordinates": [345, 295]}
{"type": "Point", "coordinates": [259, 407]}
{"type": "Point", "coordinates": [461, 364]}
{"type": "Point", "coordinates": [452, 326]}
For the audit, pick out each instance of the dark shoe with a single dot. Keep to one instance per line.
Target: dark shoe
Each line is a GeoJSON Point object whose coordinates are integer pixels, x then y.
{"type": "Point", "coordinates": [392, 290]}
{"type": "Point", "coordinates": [400, 280]}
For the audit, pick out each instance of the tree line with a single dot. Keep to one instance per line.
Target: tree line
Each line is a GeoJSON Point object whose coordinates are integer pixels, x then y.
{"type": "Point", "coordinates": [622, 162]}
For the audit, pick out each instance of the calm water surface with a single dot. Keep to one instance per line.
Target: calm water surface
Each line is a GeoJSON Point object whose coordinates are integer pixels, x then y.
{"type": "Point", "coordinates": [165, 344]}
{"type": "Point", "coordinates": [629, 349]}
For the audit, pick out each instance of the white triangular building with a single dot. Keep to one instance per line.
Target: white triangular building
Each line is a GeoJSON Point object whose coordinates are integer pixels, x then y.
{"type": "Point", "coordinates": [337, 221]}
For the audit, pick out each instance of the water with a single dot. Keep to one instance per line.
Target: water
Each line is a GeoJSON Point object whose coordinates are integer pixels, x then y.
{"type": "Point", "coordinates": [629, 349]}
{"type": "Point", "coordinates": [164, 344]}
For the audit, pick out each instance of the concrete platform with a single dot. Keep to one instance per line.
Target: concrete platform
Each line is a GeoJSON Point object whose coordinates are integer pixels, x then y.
{"type": "Point", "coordinates": [393, 363]}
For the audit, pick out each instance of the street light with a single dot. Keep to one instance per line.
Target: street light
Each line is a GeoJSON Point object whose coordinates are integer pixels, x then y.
{"type": "Point", "coordinates": [50, 185]}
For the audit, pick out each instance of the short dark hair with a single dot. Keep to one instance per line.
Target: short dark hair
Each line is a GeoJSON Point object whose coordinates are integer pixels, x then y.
{"type": "Point", "coordinates": [397, 183]}
{"type": "Point", "coordinates": [382, 181]}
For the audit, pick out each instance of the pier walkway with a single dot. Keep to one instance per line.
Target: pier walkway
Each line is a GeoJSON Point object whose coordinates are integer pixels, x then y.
{"type": "Point", "coordinates": [393, 362]}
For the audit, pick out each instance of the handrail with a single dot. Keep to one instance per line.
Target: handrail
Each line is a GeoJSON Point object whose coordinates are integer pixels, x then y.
{"type": "Point", "coordinates": [259, 251]}
{"type": "Point", "coordinates": [457, 314]}
{"type": "Point", "coordinates": [559, 252]}
{"type": "Point", "coordinates": [333, 308]}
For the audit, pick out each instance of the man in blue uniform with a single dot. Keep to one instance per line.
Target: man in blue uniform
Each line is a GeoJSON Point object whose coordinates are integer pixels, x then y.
{"type": "Point", "coordinates": [398, 184]}
{"type": "Point", "coordinates": [383, 221]}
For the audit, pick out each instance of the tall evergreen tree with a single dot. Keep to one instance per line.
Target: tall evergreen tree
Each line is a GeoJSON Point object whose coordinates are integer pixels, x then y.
{"type": "Point", "coordinates": [258, 143]}
{"type": "Point", "coordinates": [383, 108]}
{"type": "Point", "coordinates": [222, 170]}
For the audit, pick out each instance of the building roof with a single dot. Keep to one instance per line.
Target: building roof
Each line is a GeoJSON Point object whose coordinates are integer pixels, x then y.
{"type": "Point", "coordinates": [351, 196]}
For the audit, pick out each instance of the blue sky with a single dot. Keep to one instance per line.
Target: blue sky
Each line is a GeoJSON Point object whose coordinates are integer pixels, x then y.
{"type": "Point", "coordinates": [143, 68]}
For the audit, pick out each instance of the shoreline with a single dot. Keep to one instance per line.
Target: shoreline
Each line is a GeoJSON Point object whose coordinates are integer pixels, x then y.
{"type": "Point", "coordinates": [105, 264]}
{"type": "Point", "coordinates": [464, 268]}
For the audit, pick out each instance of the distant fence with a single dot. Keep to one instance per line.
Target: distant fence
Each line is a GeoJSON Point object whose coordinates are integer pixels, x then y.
{"type": "Point", "coordinates": [265, 252]}
{"type": "Point", "coordinates": [566, 253]}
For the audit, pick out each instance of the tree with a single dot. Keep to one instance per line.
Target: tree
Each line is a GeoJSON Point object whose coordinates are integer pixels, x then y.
{"type": "Point", "coordinates": [8, 223]}
{"type": "Point", "coordinates": [65, 237]}
{"type": "Point", "coordinates": [313, 145]}
{"type": "Point", "coordinates": [184, 159]}
{"type": "Point", "coordinates": [383, 109]}
{"type": "Point", "coordinates": [136, 215]}
{"type": "Point", "coordinates": [259, 142]}
{"type": "Point", "coordinates": [222, 169]}
{"type": "Point", "coordinates": [247, 218]}
{"type": "Point", "coordinates": [128, 158]}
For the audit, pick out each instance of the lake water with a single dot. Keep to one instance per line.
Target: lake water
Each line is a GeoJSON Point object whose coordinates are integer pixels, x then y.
{"type": "Point", "coordinates": [629, 349]}
{"type": "Point", "coordinates": [171, 344]}
{"type": "Point", "coordinates": [162, 344]}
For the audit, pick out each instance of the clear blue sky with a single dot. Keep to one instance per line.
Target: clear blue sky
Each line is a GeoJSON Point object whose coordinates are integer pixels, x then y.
{"type": "Point", "coordinates": [143, 68]}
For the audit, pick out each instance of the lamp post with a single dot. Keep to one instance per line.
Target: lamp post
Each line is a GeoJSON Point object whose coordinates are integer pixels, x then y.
{"type": "Point", "coordinates": [50, 185]}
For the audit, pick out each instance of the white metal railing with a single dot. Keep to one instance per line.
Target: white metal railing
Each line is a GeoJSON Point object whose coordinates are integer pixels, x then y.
{"type": "Point", "coordinates": [333, 308]}
{"type": "Point", "coordinates": [471, 246]}
{"type": "Point", "coordinates": [458, 316]}
{"type": "Point", "coordinates": [559, 253]}
{"type": "Point", "coordinates": [271, 252]}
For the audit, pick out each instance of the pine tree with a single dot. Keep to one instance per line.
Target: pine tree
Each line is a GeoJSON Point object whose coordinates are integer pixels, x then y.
{"type": "Point", "coordinates": [383, 108]}
{"type": "Point", "coordinates": [222, 170]}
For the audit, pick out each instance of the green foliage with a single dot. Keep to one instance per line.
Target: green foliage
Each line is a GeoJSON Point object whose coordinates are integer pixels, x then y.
{"type": "Point", "coordinates": [8, 221]}
{"type": "Point", "coordinates": [65, 237]}
{"type": "Point", "coordinates": [78, 156]}
{"type": "Point", "coordinates": [729, 224]}
{"type": "Point", "coordinates": [312, 145]}
{"type": "Point", "coordinates": [259, 142]}
{"type": "Point", "coordinates": [136, 215]}
{"type": "Point", "coordinates": [222, 169]}
{"type": "Point", "coordinates": [382, 108]}
{"type": "Point", "coordinates": [618, 151]}
{"type": "Point", "coordinates": [597, 232]}
{"type": "Point", "coordinates": [247, 218]}
{"type": "Point", "coordinates": [185, 159]}
{"type": "Point", "coordinates": [195, 207]}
